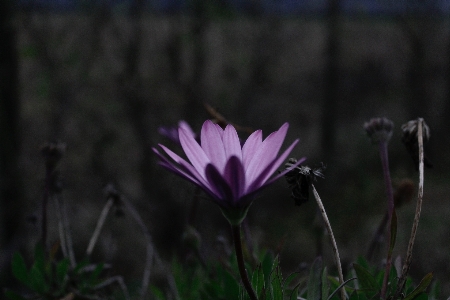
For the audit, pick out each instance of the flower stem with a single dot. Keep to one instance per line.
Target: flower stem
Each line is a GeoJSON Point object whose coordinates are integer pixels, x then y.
{"type": "Point", "coordinates": [98, 228]}
{"type": "Point", "coordinates": [333, 240]}
{"type": "Point", "coordinates": [236, 229]}
{"type": "Point", "coordinates": [407, 263]}
{"type": "Point", "coordinates": [45, 199]}
{"type": "Point", "coordinates": [390, 198]}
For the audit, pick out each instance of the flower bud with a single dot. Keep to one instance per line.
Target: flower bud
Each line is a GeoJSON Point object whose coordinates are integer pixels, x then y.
{"type": "Point", "coordinates": [379, 129]}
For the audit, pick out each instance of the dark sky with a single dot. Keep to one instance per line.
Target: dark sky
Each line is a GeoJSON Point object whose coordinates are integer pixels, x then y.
{"type": "Point", "coordinates": [262, 6]}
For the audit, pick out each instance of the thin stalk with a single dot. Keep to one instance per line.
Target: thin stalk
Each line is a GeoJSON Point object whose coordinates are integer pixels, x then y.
{"type": "Point", "coordinates": [236, 229]}
{"type": "Point", "coordinates": [47, 187]}
{"type": "Point", "coordinates": [61, 230]}
{"type": "Point", "coordinates": [407, 264]}
{"type": "Point", "coordinates": [98, 228]}
{"type": "Point", "coordinates": [66, 225]}
{"type": "Point", "coordinates": [377, 238]}
{"type": "Point", "coordinates": [64, 230]}
{"type": "Point", "coordinates": [333, 240]}
{"type": "Point", "coordinates": [390, 198]}
{"type": "Point", "coordinates": [150, 253]}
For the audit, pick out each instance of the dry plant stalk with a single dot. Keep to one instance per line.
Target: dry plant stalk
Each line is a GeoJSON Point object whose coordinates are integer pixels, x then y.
{"type": "Point", "coordinates": [333, 240]}
{"type": "Point", "coordinates": [98, 228]}
{"type": "Point", "coordinates": [407, 263]}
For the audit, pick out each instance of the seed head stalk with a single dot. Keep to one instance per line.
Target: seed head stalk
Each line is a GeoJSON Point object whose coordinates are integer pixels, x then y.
{"type": "Point", "coordinates": [333, 240]}
{"type": "Point", "coordinates": [407, 263]}
{"type": "Point", "coordinates": [390, 198]}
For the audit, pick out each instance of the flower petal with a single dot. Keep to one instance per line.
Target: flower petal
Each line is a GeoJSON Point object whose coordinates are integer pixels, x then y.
{"type": "Point", "coordinates": [266, 153]}
{"type": "Point", "coordinates": [264, 175]}
{"type": "Point", "coordinates": [248, 198]}
{"type": "Point", "coordinates": [212, 144]}
{"type": "Point", "coordinates": [231, 143]}
{"type": "Point", "coordinates": [184, 169]}
{"type": "Point", "coordinates": [218, 183]}
{"type": "Point", "coordinates": [187, 127]}
{"type": "Point", "coordinates": [251, 145]}
{"type": "Point", "coordinates": [183, 165]}
{"type": "Point", "coordinates": [193, 151]}
{"type": "Point", "coordinates": [235, 176]}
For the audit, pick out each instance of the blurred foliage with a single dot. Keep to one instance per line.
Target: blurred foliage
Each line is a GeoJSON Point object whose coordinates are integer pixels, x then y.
{"type": "Point", "coordinates": [52, 278]}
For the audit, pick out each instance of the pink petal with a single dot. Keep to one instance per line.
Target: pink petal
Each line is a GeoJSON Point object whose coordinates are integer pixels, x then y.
{"type": "Point", "coordinates": [264, 175]}
{"type": "Point", "coordinates": [235, 176]}
{"type": "Point", "coordinates": [220, 186]}
{"type": "Point", "coordinates": [212, 144]}
{"type": "Point", "coordinates": [266, 153]}
{"type": "Point", "coordinates": [186, 127]}
{"type": "Point", "coordinates": [251, 145]}
{"type": "Point", "coordinates": [219, 129]}
{"type": "Point", "coordinates": [231, 143]}
{"type": "Point", "coordinates": [193, 151]}
{"type": "Point", "coordinates": [183, 166]}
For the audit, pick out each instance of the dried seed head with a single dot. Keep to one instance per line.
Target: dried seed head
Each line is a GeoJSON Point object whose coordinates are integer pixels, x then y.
{"type": "Point", "coordinates": [410, 131]}
{"type": "Point", "coordinates": [300, 178]}
{"type": "Point", "coordinates": [379, 129]}
{"type": "Point", "coordinates": [53, 152]}
{"type": "Point", "coordinates": [410, 139]}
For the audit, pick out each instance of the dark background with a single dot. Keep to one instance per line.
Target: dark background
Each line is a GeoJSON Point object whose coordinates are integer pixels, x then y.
{"type": "Point", "coordinates": [103, 76]}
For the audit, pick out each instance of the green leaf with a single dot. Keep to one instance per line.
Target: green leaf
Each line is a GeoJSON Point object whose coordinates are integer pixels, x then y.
{"type": "Point", "coordinates": [393, 232]}
{"type": "Point", "coordinates": [79, 267]}
{"type": "Point", "coordinates": [315, 280]}
{"type": "Point", "coordinates": [325, 284]}
{"type": "Point", "coordinates": [424, 283]}
{"type": "Point", "coordinates": [96, 273]}
{"type": "Point", "coordinates": [62, 269]}
{"type": "Point", "coordinates": [157, 293]}
{"type": "Point", "coordinates": [353, 296]}
{"type": "Point", "coordinates": [277, 285]}
{"type": "Point", "coordinates": [341, 286]}
{"type": "Point", "coordinates": [39, 258]}
{"type": "Point", "coordinates": [362, 261]}
{"type": "Point", "coordinates": [13, 296]}
{"type": "Point", "coordinates": [231, 287]}
{"type": "Point", "coordinates": [435, 290]}
{"type": "Point", "coordinates": [19, 268]}
{"type": "Point", "coordinates": [367, 282]}
{"type": "Point", "coordinates": [266, 265]}
{"type": "Point", "coordinates": [37, 280]}
{"type": "Point", "coordinates": [258, 281]}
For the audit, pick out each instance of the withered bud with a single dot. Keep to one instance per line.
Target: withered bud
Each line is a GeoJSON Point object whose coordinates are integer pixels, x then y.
{"type": "Point", "coordinates": [300, 178]}
{"type": "Point", "coordinates": [110, 191]}
{"type": "Point", "coordinates": [410, 139]}
{"type": "Point", "coordinates": [53, 152]}
{"type": "Point", "coordinates": [410, 129]}
{"type": "Point", "coordinates": [379, 129]}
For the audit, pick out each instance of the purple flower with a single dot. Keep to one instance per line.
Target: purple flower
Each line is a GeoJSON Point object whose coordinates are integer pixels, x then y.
{"type": "Point", "coordinates": [172, 132]}
{"type": "Point", "coordinates": [232, 175]}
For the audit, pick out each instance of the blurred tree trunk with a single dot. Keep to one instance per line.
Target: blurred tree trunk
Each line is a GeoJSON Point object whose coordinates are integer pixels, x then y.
{"type": "Point", "coordinates": [418, 104]}
{"type": "Point", "coordinates": [444, 124]}
{"type": "Point", "coordinates": [331, 96]}
{"type": "Point", "coordinates": [139, 112]}
{"type": "Point", "coordinates": [10, 198]}
{"type": "Point", "coordinates": [194, 90]}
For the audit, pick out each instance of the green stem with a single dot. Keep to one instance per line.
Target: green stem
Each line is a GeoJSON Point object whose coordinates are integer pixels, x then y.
{"type": "Point", "coordinates": [236, 229]}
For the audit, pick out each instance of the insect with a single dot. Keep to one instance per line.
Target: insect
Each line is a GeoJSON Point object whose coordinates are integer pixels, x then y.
{"type": "Point", "coordinates": [300, 178]}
